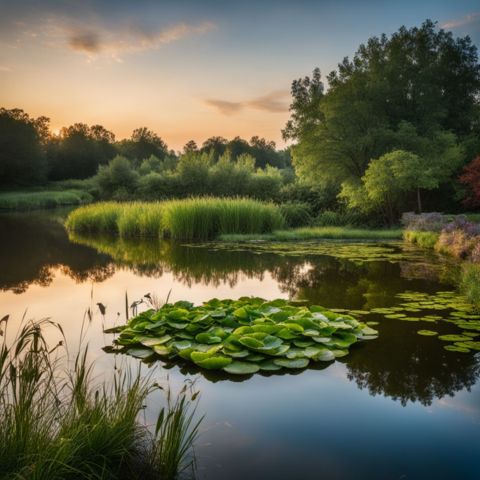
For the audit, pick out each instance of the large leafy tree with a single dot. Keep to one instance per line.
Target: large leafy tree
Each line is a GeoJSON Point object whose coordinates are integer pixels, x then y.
{"type": "Point", "coordinates": [422, 77]}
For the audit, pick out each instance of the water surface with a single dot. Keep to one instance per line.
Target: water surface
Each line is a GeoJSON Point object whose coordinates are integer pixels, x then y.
{"type": "Point", "coordinates": [399, 407]}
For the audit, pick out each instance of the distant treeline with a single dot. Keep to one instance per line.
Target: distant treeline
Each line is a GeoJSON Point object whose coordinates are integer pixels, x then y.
{"type": "Point", "coordinates": [30, 154]}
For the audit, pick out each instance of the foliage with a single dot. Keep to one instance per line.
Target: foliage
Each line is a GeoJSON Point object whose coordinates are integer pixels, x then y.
{"type": "Point", "coordinates": [470, 283]}
{"type": "Point", "coordinates": [391, 177]}
{"type": "Point", "coordinates": [56, 424]}
{"type": "Point", "coordinates": [78, 151]}
{"type": "Point", "coordinates": [193, 218]}
{"type": "Point", "coordinates": [296, 214]}
{"type": "Point", "coordinates": [22, 154]}
{"type": "Point", "coordinates": [243, 336]}
{"type": "Point", "coordinates": [416, 90]}
{"type": "Point", "coordinates": [422, 239]}
{"type": "Point", "coordinates": [116, 177]}
{"type": "Point", "coordinates": [471, 179]}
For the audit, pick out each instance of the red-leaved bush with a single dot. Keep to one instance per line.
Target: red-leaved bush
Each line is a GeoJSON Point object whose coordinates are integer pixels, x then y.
{"type": "Point", "coordinates": [471, 179]}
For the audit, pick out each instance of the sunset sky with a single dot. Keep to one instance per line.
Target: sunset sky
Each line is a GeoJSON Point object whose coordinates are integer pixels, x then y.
{"type": "Point", "coordinates": [187, 69]}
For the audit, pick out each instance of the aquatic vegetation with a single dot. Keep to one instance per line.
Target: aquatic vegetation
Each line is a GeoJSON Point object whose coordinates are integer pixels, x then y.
{"type": "Point", "coordinates": [57, 423]}
{"type": "Point", "coordinates": [422, 239]}
{"type": "Point", "coordinates": [189, 219]}
{"type": "Point", "coordinates": [427, 333]}
{"type": "Point", "coordinates": [357, 252]}
{"type": "Point", "coordinates": [317, 233]}
{"type": "Point", "coordinates": [470, 283]}
{"type": "Point", "coordinates": [242, 336]}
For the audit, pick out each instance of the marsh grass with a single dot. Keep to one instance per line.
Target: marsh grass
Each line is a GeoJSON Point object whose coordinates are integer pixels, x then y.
{"type": "Point", "coordinates": [189, 219]}
{"type": "Point", "coordinates": [42, 199]}
{"type": "Point", "coordinates": [470, 283]}
{"type": "Point", "coordinates": [58, 424]}
{"type": "Point", "coordinates": [318, 233]}
{"type": "Point", "coordinates": [422, 239]}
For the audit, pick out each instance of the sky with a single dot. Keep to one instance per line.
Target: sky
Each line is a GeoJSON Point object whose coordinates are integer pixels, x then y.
{"type": "Point", "coordinates": [189, 69]}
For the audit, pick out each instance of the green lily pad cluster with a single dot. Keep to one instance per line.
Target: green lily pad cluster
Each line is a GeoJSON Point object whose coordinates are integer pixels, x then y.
{"type": "Point", "coordinates": [451, 308]}
{"type": "Point", "coordinates": [243, 336]}
{"type": "Point", "coordinates": [356, 252]}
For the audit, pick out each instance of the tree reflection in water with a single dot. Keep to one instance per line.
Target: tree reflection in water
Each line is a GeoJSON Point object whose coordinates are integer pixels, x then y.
{"type": "Point", "coordinates": [400, 364]}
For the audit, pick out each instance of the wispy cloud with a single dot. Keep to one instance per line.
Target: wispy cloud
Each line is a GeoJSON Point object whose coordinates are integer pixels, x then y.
{"type": "Point", "coordinates": [129, 39]}
{"type": "Point", "coordinates": [4, 68]}
{"type": "Point", "coordinates": [467, 20]}
{"type": "Point", "coordinates": [273, 102]}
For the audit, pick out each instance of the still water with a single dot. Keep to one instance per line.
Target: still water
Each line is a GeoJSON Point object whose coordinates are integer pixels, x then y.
{"type": "Point", "coordinates": [399, 407]}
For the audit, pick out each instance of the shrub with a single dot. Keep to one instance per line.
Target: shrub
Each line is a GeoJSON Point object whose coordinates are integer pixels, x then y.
{"type": "Point", "coordinates": [328, 218]}
{"type": "Point", "coordinates": [118, 177]}
{"type": "Point", "coordinates": [296, 214]}
{"type": "Point", "coordinates": [422, 239]}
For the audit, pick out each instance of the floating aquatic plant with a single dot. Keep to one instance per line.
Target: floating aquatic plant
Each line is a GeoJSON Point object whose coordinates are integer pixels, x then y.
{"type": "Point", "coordinates": [242, 336]}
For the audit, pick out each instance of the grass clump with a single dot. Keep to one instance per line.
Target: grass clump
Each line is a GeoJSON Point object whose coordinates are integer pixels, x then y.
{"type": "Point", "coordinates": [470, 283]}
{"type": "Point", "coordinates": [57, 424]}
{"type": "Point", "coordinates": [318, 233]}
{"type": "Point", "coordinates": [422, 239]}
{"type": "Point", "coordinates": [189, 219]}
{"type": "Point", "coordinates": [42, 199]}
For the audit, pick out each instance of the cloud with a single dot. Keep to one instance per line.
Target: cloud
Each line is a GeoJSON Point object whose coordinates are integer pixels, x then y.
{"type": "Point", "coordinates": [87, 42]}
{"type": "Point", "coordinates": [273, 102]}
{"type": "Point", "coordinates": [128, 39]}
{"type": "Point", "coordinates": [470, 19]}
{"type": "Point", "coordinates": [3, 68]}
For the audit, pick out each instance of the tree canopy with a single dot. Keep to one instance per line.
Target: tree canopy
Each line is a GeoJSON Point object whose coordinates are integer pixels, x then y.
{"type": "Point", "coordinates": [419, 81]}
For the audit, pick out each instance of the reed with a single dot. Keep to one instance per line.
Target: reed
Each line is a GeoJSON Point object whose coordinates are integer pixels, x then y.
{"type": "Point", "coordinates": [57, 424]}
{"type": "Point", "coordinates": [422, 239]}
{"type": "Point", "coordinates": [190, 219]}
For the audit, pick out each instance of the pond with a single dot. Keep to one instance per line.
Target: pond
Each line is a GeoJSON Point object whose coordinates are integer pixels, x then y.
{"type": "Point", "coordinates": [398, 407]}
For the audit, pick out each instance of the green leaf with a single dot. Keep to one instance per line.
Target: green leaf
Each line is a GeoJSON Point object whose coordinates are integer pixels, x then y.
{"type": "Point", "coordinates": [295, 363]}
{"type": "Point", "coordinates": [242, 368]}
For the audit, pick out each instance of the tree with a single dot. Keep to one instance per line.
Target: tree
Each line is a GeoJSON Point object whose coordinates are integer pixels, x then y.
{"type": "Point", "coordinates": [142, 144]}
{"type": "Point", "coordinates": [79, 151]}
{"type": "Point", "coordinates": [471, 179]}
{"type": "Point", "coordinates": [118, 178]}
{"type": "Point", "coordinates": [190, 146]}
{"type": "Point", "coordinates": [420, 76]}
{"type": "Point", "coordinates": [390, 179]}
{"type": "Point", "coordinates": [22, 148]}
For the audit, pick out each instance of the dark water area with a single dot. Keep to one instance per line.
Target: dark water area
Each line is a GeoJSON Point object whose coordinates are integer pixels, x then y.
{"type": "Point", "coordinates": [398, 407]}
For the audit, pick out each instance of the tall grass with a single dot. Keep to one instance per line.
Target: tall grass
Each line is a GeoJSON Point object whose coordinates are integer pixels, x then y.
{"type": "Point", "coordinates": [42, 199]}
{"type": "Point", "coordinates": [57, 424]}
{"type": "Point", "coordinates": [189, 219]}
{"type": "Point", "coordinates": [422, 239]}
{"type": "Point", "coordinates": [470, 283]}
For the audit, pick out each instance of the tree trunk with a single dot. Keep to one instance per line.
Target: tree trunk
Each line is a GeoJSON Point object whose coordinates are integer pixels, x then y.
{"type": "Point", "coordinates": [419, 201]}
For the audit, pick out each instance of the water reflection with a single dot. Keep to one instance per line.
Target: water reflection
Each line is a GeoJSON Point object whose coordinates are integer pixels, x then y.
{"type": "Point", "coordinates": [400, 365]}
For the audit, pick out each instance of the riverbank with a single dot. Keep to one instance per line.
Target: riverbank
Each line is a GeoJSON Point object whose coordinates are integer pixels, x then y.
{"type": "Point", "coordinates": [33, 200]}
{"type": "Point", "coordinates": [456, 236]}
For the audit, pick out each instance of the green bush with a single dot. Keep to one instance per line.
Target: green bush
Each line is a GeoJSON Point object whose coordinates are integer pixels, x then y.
{"type": "Point", "coordinates": [118, 178]}
{"type": "Point", "coordinates": [296, 214]}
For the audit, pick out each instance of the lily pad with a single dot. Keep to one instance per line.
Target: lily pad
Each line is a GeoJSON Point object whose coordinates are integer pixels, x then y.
{"type": "Point", "coordinates": [427, 333]}
{"type": "Point", "coordinates": [242, 368]}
